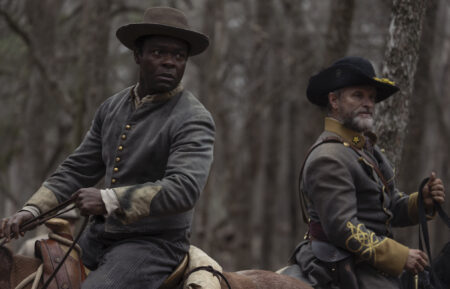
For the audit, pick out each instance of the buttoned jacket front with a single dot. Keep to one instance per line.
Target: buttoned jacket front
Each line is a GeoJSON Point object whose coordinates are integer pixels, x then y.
{"type": "Point", "coordinates": [354, 207]}
{"type": "Point", "coordinates": [156, 158]}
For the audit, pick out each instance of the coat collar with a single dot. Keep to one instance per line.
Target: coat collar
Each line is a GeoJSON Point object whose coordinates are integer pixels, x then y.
{"type": "Point", "coordinates": [349, 136]}
{"type": "Point", "coordinates": [138, 102]}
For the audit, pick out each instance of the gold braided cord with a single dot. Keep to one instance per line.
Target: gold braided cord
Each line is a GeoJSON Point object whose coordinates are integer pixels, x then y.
{"type": "Point", "coordinates": [367, 241]}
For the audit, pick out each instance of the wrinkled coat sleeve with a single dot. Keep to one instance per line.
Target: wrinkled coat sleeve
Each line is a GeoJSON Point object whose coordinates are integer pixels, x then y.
{"type": "Point", "coordinates": [330, 180]}
{"type": "Point", "coordinates": [187, 169]}
{"type": "Point", "coordinates": [402, 205]}
{"type": "Point", "coordinates": [405, 208]}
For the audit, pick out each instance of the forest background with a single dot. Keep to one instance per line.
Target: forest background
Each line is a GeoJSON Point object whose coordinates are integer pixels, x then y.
{"type": "Point", "coordinates": [59, 59]}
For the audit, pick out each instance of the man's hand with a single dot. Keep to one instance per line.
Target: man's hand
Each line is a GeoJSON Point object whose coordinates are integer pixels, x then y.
{"type": "Point", "coordinates": [10, 226]}
{"type": "Point", "coordinates": [416, 262]}
{"type": "Point", "coordinates": [89, 201]}
{"type": "Point", "coordinates": [433, 190]}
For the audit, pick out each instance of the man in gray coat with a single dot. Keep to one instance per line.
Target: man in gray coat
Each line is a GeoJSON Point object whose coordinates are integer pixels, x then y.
{"type": "Point", "coordinates": [153, 145]}
{"type": "Point", "coordinates": [348, 192]}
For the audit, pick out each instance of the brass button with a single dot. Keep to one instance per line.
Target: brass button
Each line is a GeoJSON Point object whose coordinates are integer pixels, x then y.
{"type": "Point", "coordinates": [116, 169]}
{"type": "Point", "coordinates": [127, 126]}
{"type": "Point", "coordinates": [65, 286]}
{"type": "Point", "coordinates": [117, 159]}
{"type": "Point", "coordinates": [124, 136]}
{"type": "Point", "coordinates": [120, 148]}
{"type": "Point", "coordinates": [113, 181]}
{"type": "Point", "coordinates": [57, 259]}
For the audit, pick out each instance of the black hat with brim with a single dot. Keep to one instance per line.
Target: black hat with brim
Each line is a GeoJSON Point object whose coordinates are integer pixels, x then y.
{"type": "Point", "coordinates": [347, 71]}
{"type": "Point", "coordinates": [163, 21]}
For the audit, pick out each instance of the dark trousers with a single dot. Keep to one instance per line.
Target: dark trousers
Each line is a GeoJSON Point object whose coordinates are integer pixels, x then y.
{"type": "Point", "coordinates": [130, 261]}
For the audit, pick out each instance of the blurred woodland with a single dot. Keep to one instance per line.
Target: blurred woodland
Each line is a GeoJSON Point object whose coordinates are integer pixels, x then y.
{"type": "Point", "coordinates": [59, 59]}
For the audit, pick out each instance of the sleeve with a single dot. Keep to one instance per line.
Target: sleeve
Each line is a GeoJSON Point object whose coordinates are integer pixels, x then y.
{"type": "Point", "coordinates": [83, 168]}
{"type": "Point", "coordinates": [330, 185]}
{"type": "Point", "coordinates": [405, 209]}
{"type": "Point", "coordinates": [186, 173]}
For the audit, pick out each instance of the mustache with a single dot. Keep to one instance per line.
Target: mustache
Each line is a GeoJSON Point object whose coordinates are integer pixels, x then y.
{"type": "Point", "coordinates": [365, 111]}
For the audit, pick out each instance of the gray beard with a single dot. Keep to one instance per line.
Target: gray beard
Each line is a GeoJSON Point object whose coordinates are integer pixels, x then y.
{"type": "Point", "coordinates": [359, 124]}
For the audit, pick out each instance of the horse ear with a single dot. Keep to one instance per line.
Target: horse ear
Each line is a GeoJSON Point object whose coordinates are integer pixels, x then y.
{"type": "Point", "coordinates": [6, 263]}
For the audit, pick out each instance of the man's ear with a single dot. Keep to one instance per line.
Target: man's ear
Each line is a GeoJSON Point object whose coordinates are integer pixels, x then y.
{"type": "Point", "coordinates": [137, 57]}
{"type": "Point", "coordinates": [333, 100]}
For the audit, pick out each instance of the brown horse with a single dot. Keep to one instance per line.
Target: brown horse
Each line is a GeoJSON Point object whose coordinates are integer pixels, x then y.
{"type": "Point", "coordinates": [16, 269]}
{"type": "Point", "coordinates": [261, 279]}
{"type": "Point", "coordinates": [24, 272]}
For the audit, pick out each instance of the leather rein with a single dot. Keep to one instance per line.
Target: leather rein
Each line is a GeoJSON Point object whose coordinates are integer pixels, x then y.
{"type": "Point", "coordinates": [52, 213]}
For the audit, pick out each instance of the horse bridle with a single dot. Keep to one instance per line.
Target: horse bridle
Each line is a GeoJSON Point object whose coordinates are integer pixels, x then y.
{"type": "Point", "coordinates": [42, 218]}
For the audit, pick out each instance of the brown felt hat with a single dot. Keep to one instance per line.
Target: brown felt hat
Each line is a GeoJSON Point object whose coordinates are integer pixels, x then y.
{"type": "Point", "coordinates": [164, 21]}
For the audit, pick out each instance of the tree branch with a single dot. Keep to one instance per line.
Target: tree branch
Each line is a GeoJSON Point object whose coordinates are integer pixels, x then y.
{"type": "Point", "coordinates": [122, 8]}
{"type": "Point", "coordinates": [5, 191]}
{"type": "Point", "coordinates": [24, 35]}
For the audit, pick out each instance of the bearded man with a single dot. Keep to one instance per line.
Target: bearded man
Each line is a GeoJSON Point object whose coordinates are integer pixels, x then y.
{"type": "Point", "coordinates": [348, 192]}
{"type": "Point", "coordinates": [153, 144]}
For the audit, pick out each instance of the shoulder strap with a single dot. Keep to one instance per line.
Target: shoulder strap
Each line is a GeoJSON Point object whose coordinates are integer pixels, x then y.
{"type": "Point", "coordinates": [302, 196]}
{"type": "Point", "coordinates": [374, 166]}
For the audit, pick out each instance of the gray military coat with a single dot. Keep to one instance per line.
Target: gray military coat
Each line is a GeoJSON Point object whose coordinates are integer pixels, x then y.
{"type": "Point", "coordinates": [155, 157]}
{"type": "Point", "coordinates": [354, 208]}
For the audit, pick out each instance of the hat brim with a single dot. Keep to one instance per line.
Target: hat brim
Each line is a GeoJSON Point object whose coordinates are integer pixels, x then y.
{"type": "Point", "coordinates": [128, 35]}
{"type": "Point", "coordinates": [327, 81]}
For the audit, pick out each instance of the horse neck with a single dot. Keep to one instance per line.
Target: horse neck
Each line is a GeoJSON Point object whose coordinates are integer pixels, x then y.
{"type": "Point", "coordinates": [6, 264]}
{"type": "Point", "coordinates": [22, 268]}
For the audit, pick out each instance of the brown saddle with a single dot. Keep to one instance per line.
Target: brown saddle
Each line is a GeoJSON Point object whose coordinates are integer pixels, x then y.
{"type": "Point", "coordinates": [72, 273]}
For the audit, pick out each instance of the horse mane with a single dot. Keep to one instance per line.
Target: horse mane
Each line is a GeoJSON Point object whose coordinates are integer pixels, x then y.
{"type": "Point", "coordinates": [15, 268]}
{"type": "Point", "coordinates": [6, 264]}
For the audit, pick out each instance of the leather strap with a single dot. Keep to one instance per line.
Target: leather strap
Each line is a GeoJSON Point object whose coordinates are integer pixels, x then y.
{"type": "Point", "coordinates": [374, 166]}
{"type": "Point", "coordinates": [423, 226]}
{"type": "Point", "coordinates": [69, 275]}
{"type": "Point", "coordinates": [423, 232]}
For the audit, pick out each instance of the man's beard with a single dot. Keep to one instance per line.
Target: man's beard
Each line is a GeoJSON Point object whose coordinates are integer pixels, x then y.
{"type": "Point", "coordinates": [357, 123]}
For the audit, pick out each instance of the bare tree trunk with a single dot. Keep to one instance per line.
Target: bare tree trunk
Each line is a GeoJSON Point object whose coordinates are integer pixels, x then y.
{"type": "Point", "coordinates": [246, 201]}
{"type": "Point", "coordinates": [400, 64]}
{"type": "Point", "coordinates": [212, 220]}
{"type": "Point", "coordinates": [41, 93]}
{"type": "Point", "coordinates": [93, 65]}
{"type": "Point", "coordinates": [339, 30]}
{"type": "Point", "coordinates": [412, 170]}
{"type": "Point", "coordinates": [423, 95]}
